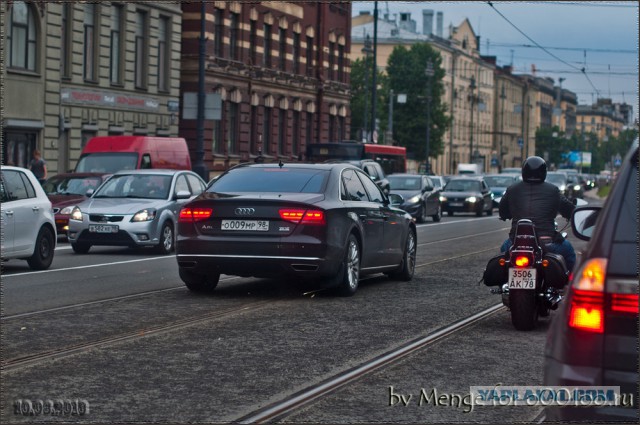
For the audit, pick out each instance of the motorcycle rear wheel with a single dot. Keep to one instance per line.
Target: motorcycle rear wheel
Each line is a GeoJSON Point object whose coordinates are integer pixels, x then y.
{"type": "Point", "coordinates": [524, 311]}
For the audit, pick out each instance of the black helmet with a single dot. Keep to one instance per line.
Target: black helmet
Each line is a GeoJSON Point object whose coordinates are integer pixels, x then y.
{"type": "Point", "coordinates": [534, 170]}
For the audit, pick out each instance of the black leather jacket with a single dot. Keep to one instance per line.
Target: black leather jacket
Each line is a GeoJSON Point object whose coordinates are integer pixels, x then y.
{"type": "Point", "coordinates": [538, 202]}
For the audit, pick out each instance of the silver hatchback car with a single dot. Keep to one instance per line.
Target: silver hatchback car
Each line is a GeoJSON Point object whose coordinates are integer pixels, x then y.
{"type": "Point", "coordinates": [135, 208]}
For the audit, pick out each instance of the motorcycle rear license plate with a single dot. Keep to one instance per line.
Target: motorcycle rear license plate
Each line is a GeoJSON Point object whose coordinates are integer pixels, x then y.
{"type": "Point", "coordinates": [522, 278]}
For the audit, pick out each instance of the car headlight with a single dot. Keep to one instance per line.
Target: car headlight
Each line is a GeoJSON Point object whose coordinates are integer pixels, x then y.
{"type": "Point", "coordinates": [563, 188]}
{"type": "Point", "coordinates": [443, 199]}
{"type": "Point", "coordinates": [144, 215]}
{"type": "Point", "coordinates": [576, 187]}
{"type": "Point", "coordinates": [471, 199]}
{"type": "Point", "coordinates": [415, 199]}
{"type": "Point", "coordinates": [67, 211]}
{"type": "Point", "coordinates": [76, 214]}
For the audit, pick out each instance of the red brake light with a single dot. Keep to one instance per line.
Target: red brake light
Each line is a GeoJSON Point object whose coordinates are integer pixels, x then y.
{"type": "Point", "coordinates": [303, 216]}
{"type": "Point", "coordinates": [624, 303]}
{"type": "Point", "coordinates": [587, 311]}
{"type": "Point", "coordinates": [522, 261]}
{"type": "Point", "coordinates": [194, 214]}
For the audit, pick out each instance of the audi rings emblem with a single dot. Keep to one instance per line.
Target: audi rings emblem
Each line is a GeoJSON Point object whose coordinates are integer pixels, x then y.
{"type": "Point", "coordinates": [245, 211]}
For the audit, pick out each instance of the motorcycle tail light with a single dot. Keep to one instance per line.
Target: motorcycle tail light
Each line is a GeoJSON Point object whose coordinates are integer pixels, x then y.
{"type": "Point", "coordinates": [302, 216]}
{"type": "Point", "coordinates": [194, 214]}
{"type": "Point", "coordinates": [522, 261]}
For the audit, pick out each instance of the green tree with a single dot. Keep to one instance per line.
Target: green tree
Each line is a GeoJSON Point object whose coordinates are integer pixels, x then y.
{"type": "Point", "coordinates": [406, 75]}
{"type": "Point", "coordinates": [361, 83]}
{"type": "Point", "coordinates": [552, 145]}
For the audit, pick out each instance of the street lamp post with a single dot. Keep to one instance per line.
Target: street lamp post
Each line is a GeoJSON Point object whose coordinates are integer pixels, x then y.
{"type": "Point", "coordinates": [366, 50]}
{"type": "Point", "coordinates": [472, 98]}
{"type": "Point", "coordinates": [199, 166]}
{"type": "Point", "coordinates": [503, 96]}
{"type": "Point", "coordinates": [429, 72]}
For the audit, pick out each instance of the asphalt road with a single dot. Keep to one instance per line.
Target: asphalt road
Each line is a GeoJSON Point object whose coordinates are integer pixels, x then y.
{"type": "Point", "coordinates": [256, 341]}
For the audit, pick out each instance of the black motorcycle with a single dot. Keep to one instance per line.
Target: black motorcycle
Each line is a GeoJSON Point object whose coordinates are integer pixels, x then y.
{"type": "Point", "coordinates": [529, 278]}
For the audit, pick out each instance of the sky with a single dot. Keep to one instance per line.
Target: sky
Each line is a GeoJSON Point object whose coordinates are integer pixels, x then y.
{"type": "Point", "coordinates": [601, 37]}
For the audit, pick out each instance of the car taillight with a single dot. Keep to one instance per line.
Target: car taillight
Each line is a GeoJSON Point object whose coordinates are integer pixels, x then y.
{"type": "Point", "coordinates": [303, 216]}
{"type": "Point", "coordinates": [194, 214]}
{"type": "Point", "coordinates": [624, 303]}
{"type": "Point", "coordinates": [522, 261]}
{"type": "Point", "coordinates": [587, 302]}
{"type": "Point", "coordinates": [587, 311]}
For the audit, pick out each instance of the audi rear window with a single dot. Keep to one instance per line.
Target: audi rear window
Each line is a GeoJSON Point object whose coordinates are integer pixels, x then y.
{"type": "Point", "coordinates": [289, 180]}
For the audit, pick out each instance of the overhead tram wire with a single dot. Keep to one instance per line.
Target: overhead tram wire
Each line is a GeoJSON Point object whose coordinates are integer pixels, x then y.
{"type": "Point", "coordinates": [575, 49]}
{"type": "Point", "coordinates": [583, 70]}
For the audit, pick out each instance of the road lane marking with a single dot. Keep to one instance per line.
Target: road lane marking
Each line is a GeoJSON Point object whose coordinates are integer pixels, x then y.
{"type": "Point", "coordinates": [465, 237]}
{"type": "Point", "coordinates": [87, 267]}
{"type": "Point", "coordinates": [459, 221]}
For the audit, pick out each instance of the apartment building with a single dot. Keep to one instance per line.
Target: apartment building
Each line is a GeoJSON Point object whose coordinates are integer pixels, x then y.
{"type": "Point", "coordinates": [280, 71]}
{"type": "Point", "coordinates": [495, 114]}
{"type": "Point", "coordinates": [75, 70]}
{"type": "Point", "coordinates": [468, 82]}
{"type": "Point", "coordinates": [603, 118]}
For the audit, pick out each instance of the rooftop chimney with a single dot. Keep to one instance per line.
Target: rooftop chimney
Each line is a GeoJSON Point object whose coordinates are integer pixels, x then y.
{"type": "Point", "coordinates": [427, 21]}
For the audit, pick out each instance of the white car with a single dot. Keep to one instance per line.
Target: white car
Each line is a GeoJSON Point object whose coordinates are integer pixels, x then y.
{"type": "Point", "coordinates": [28, 224]}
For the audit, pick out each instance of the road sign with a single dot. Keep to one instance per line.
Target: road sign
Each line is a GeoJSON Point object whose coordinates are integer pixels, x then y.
{"type": "Point", "coordinates": [212, 106]}
{"type": "Point", "coordinates": [520, 142]}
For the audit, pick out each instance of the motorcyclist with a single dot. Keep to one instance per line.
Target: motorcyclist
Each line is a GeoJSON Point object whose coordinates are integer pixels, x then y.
{"type": "Point", "coordinates": [540, 202]}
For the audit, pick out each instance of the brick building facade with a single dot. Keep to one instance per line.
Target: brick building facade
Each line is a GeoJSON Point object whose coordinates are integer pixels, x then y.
{"type": "Point", "coordinates": [281, 70]}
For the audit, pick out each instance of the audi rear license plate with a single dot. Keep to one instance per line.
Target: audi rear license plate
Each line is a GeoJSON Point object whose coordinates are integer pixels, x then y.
{"type": "Point", "coordinates": [103, 228]}
{"type": "Point", "coordinates": [245, 225]}
{"type": "Point", "coordinates": [522, 278]}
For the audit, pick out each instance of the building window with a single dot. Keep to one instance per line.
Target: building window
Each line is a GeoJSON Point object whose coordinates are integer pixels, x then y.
{"type": "Point", "coordinates": [309, 129]}
{"type": "Point", "coordinates": [332, 50]}
{"type": "Point", "coordinates": [295, 137]}
{"type": "Point", "coordinates": [266, 130]}
{"type": "Point", "coordinates": [254, 133]}
{"type": "Point", "coordinates": [233, 36]}
{"type": "Point", "coordinates": [90, 41]}
{"type": "Point", "coordinates": [216, 143]}
{"type": "Point", "coordinates": [253, 41]}
{"type": "Point", "coordinates": [267, 46]}
{"type": "Point", "coordinates": [115, 74]}
{"type": "Point", "coordinates": [342, 129]}
{"type": "Point", "coordinates": [296, 53]}
{"type": "Point", "coordinates": [282, 131]}
{"type": "Point", "coordinates": [283, 49]}
{"type": "Point", "coordinates": [219, 34]}
{"type": "Point", "coordinates": [164, 52]}
{"type": "Point", "coordinates": [18, 147]}
{"type": "Point", "coordinates": [332, 128]}
{"type": "Point", "coordinates": [309, 56]}
{"type": "Point", "coordinates": [66, 36]}
{"type": "Point", "coordinates": [22, 37]}
{"type": "Point", "coordinates": [341, 63]}
{"type": "Point", "coordinates": [141, 50]}
{"type": "Point", "coordinates": [233, 128]}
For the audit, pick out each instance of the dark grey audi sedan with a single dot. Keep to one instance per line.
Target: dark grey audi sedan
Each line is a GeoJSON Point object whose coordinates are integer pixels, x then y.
{"type": "Point", "coordinates": [327, 222]}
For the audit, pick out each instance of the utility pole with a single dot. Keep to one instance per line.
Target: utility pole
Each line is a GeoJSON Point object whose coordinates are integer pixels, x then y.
{"type": "Point", "coordinates": [503, 96]}
{"type": "Point", "coordinates": [367, 52]}
{"type": "Point", "coordinates": [390, 141]}
{"type": "Point", "coordinates": [472, 98]}
{"type": "Point", "coordinates": [375, 70]}
{"type": "Point", "coordinates": [429, 72]}
{"type": "Point", "coordinates": [198, 166]}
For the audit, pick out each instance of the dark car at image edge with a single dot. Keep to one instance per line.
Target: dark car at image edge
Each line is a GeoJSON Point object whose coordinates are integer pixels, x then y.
{"type": "Point", "coordinates": [593, 338]}
{"type": "Point", "coordinates": [326, 222]}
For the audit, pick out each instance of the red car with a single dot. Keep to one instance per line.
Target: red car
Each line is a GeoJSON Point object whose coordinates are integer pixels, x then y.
{"type": "Point", "coordinates": [66, 190]}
